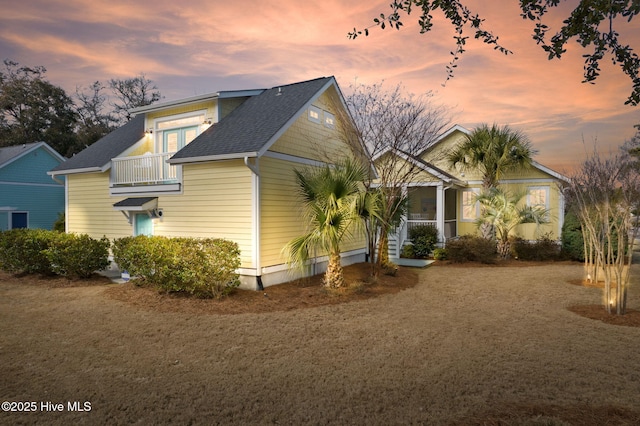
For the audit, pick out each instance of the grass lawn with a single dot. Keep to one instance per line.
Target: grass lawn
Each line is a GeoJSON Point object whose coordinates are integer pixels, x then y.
{"type": "Point", "coordinates": [497, 345]}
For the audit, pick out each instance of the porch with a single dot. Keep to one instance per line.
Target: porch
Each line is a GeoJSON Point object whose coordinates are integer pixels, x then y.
{"type": "Point", "coordinates": [144, 173]}
{"type": "Point", "coordinates": [434, 205]}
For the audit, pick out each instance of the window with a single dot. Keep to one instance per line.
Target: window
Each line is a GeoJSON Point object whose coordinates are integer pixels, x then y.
{"type": "Point", "coordinates": [314, 114]}
{"type": "Point", "coordinates": [180, 122]}
{"type": "Point", "coordinates": [173, 133]}
{"type": "Point", "coordinates": [176, 139]}
{"type": "Point", "coordinates": [19, 220]}
{"type": "Point", "coordinates": [329, 120]}
{"type": "Point", "coordinates": [470, 205]}
{"type": "Point", "coordinates": [538, 196]}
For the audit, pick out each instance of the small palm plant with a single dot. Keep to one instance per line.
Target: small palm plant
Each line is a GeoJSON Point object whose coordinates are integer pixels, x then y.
{"type": "Point", "coordinates": [503, 211]}
{"type": "Point", "coordinates": [331, 198]}
{"type": "Point", "coordinates": [493, 151]}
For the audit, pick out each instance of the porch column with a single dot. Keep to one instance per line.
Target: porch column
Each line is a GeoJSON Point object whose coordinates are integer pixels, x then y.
{"type": "Point", "coordinates": [440, 210]}
{"type": "Point", "coordinates": [401, 236]}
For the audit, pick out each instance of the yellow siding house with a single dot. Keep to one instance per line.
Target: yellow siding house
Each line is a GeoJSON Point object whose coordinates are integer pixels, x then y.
{"type": "Point", "coordinates": [446, 197]}
{"type": "Point", "coordinates": [217, 165]}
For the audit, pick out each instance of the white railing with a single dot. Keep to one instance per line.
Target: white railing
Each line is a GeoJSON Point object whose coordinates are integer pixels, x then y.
{"type": "Point", "coordinates": [449, 226]}
{"type": "Point", "coordinates": [147, 169]}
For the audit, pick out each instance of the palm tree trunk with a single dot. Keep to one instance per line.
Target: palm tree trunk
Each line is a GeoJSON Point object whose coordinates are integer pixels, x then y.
{"type": "Point", "coordinates": [504, 249]}
{"type": "Point", "coordinates": [383, 249]}
{"type": "Point", "coordinates": [487, 231]}
{"type": "Point", "coordinates": [334, 278]}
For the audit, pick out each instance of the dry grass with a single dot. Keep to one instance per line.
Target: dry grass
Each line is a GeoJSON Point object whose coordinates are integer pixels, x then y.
{"type": "Point", "coordinates": [445, 345]}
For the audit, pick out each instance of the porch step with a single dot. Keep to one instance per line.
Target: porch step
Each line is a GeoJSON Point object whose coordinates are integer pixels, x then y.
{"type": "Point", "coordinates": [414, 263]}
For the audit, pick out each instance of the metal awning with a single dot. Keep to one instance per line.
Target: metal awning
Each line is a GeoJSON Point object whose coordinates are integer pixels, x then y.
{"type": "Point", "coordinates": [137, 204]}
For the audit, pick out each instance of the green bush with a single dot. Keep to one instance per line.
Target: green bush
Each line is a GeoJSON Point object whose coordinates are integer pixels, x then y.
{"type": "Point", "coordinates": [440, 254]}
{"type": "Point", "coordinates": [22, 251]}
{"type": "Point", "coordinates": [572, 240]}
{"type": "Point", "coordinates": [469, 248]}
{"type": "Point", "coordinates": [424, 239]}
{"type": "Point", "coordinates": [59, 224]}
{"type": "Point", "coordinates": [202, 267]}
{"type": "Point", "coordinates": [142, 256]}
{"type": "Point", "coordinates": [39, 251]}
{"type": "Point", "coordinates": [73, 255]}
{"type": "Point", "coordinates": [541, 249]}
{"type": "Point", "coordinates": [407, 252]}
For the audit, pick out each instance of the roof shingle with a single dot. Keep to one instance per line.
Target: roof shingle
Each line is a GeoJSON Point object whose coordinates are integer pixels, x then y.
{"type": "Point", "coordinates": [252, 125]}
{"type": "Point", "coordinates": [112, 145]}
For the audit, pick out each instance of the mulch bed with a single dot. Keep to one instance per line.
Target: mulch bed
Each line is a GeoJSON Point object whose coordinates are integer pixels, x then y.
{"type": "Point", "coordinates": [299, 294]}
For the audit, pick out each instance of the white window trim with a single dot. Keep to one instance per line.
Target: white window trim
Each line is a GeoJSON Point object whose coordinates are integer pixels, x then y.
{"type": "Point", "coordinates": [317, 111]}
{"type": "Point", "coordinates": [476, 192]}
{"type": "Point", "coordinates": [190, 114]}
{"type": "Point", "coordinates": [329, 116]}
{"type": "Point", "coordinates": [535, 188]}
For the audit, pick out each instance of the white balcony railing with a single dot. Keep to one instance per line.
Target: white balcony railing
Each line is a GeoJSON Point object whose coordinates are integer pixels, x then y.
{"type": "Point", "coordinates": [147, 169]}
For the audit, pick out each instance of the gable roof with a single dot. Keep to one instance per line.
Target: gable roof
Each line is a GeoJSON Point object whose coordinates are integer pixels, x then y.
{"type": "Point", "coordinates": [250, 129]}
{"type": "Point", "coordinates": [10, 154]}
{"type": "Point", "coordinates": [97, 157]}
{"type": "Point", "coordinates": [422, 164]}
{"type": "Point", "coordinates": [247, 131]}
{"type": "Point", "coordinates": [465, 131]}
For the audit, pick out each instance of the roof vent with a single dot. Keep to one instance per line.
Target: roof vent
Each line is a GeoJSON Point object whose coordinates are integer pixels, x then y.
{"type": "Point", "coordinates": [279, 91]}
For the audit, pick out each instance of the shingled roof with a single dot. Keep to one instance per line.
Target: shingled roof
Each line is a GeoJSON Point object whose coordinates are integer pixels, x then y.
{"type": "Point", "coordinates": [251, 128]}
{"type": "Point", "coordinates": [9, 154]}
{"type": "Point", "coordinates": [248, 130]}
{"type": "Point", "coordinates": [95, 157]}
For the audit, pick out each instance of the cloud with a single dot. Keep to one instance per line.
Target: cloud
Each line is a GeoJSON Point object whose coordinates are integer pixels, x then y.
{"type": "Point", "coordinates": [202, 46]}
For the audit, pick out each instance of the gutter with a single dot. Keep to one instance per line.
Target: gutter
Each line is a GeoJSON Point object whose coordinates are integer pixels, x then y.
{"type": "Point", "coordinates": [206, 158]}
{"type": "Point", "coordinates": [74, 171]}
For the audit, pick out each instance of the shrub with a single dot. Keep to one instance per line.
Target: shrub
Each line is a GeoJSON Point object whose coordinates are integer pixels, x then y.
{"type": "Point", "coordinates": [202, 267]}
{"type": "Point", "coordinates": [424, 239]}
{"type": "Point", "coordinates": [73, 255]}
{"type": "Point", "coordinates": [468, 248]}
{"type": "Point", "coordinates": [59, 224]}
{"type": "Point", "coordinates": [22, 251]}
{"type": "Point", "coordinates": [408, 252]}
{"type": "Point", "coordinates": [541, 249]}
{"type": "Point", "coordinates": [440, 254]}
{"type": "Point", "coordinates": [572, 240]}
{"type": "Point", "coordinates": [141, 256]}
{"type": "Point", "coordinates": [39, 251]}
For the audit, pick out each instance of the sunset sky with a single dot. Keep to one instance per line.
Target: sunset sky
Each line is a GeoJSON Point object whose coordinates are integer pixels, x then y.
{"type": "Point", "coordinates": [201, 46]}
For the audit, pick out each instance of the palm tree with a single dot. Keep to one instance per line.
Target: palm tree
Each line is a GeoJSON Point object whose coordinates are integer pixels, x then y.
{"type": "Point", "coordinates": [330, 198]}
{"type": "Point", "coordinates": [502, 211]}
{"type": "Point", "coordinates": [493, 151]}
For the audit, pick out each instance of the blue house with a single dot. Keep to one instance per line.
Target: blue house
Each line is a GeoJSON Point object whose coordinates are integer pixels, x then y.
{"type": "Point", "coordinates": [29, 198]}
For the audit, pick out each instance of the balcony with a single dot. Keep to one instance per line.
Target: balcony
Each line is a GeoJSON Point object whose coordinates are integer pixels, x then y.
{"type": "Point", "coordinates": [144, 173]}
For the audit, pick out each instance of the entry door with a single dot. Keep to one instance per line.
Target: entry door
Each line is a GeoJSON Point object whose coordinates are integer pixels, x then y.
{"type": "Point", "coordinates": [174, 140]}
{"type": "Point", "coordinates": [142, 225]}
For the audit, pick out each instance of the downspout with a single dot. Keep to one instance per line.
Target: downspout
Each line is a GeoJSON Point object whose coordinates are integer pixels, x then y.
{"type": "Point", "coordinates": [255, 217]}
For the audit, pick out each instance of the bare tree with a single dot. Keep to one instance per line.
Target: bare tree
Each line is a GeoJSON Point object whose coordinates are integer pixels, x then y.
{"type": "Point", "coordinates": [132, 93]}
{"type": "Point", "coordinates": [604, 192]}
{"type": "Point", "coordinates": [392, 131]}
{"type": "Point", "coordinates": [94, 121]}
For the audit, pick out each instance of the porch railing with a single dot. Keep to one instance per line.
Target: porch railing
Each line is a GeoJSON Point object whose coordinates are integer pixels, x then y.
{"type": "Point", "coordinates": [449, 226]}
{"type": "Point", "coordinates": [402, 231]}
{"type": "Point", "coordinates": [147, 169]}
